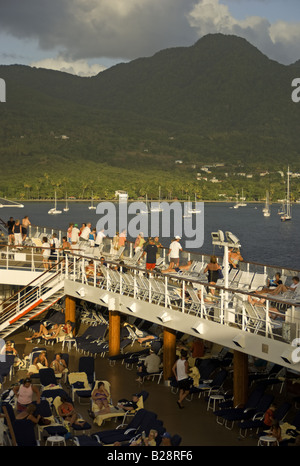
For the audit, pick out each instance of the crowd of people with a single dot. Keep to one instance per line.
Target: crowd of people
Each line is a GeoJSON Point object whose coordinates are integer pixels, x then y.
{"type": "Point", "coordinates": [17, 230]}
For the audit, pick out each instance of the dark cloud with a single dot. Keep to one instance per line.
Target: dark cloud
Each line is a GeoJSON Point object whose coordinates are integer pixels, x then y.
{"type": "Point", "coordinates": [100, 28]}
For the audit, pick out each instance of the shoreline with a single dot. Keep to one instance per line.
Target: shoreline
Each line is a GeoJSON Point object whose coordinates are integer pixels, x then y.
{"type": "Point", "coordinates": [143, 200]}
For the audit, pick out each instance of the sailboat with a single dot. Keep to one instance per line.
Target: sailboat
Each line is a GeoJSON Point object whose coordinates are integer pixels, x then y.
{"type": "Point", "coordinates": [195, 210]}
{"type": "Point", "coordinates": [66, 208]}
{"type": "Point", "coordinates": [243, 203]}
{"type": "Point", "coordinates": [266, 209]}
{"type": "Point", "coordinates": [92, 207]}
{"type": "Point", "coordinates": [146, 211]}
{"type": "Point", "coordinates": [157, 208]}
{"type": "Point", "coordinates": [287, 204]}
{"type": "Point", "coordinates": [54, 210]}
{"type": "Point", "coordinates": [237, 203]}
{"type": "Point", "coordinates": [187, 209]}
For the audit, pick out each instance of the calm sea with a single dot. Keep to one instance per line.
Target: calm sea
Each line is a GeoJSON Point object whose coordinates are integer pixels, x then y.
{"type": "Point", "coordinates": [263, 239]}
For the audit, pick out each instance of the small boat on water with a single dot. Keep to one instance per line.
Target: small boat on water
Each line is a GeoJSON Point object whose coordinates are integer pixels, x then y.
{"type": "Point", "coordinates": [237, 203]}
{"type": "Point", "coordinates": [54, 210]}
{"type": "Point", "coordinates": [92, 207]}
{"type": "Point", "coordinates": [157, 208]}
{"type": "Point", "coordinates": [266, 209]}
{"type": "Point", "coordinates": [66, 208]}
{"type": "Point", "coordinates": [187, 209]}
{"type": "Point", "coordinates": [286, 214]}
{"type": "Point", "coordinates": [146, 211]}
{"type": "Point", "coordinates": [195, 210]}
{"type": "Point", "coordinates": [243, 199]}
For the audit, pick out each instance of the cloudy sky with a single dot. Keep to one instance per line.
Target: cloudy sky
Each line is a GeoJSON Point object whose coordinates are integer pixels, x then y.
{"type": "Point", "coordinates": [87, 36]}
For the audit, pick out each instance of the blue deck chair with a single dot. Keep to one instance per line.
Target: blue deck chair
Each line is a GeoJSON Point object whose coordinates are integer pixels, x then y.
{"type": "Point", "coordinates": [85, 441]}
{"type": "Point", "coordinates": [56, 428]}
{"type": "Point", "coordinates": [257, 422]}
{"type": "Point", "coordinates": [51, 394]}
{"type": "Point", "coordinates": [249, 406]}
{"type": "Point", "coordinates": [87, 364]}
{"type": "Point", "coordinates": [176, 440]}
{"type": "Point", "coordinates": [262, 406]}
{"type": "Point", "coordinates": [35, 352]}
{"type": "Point", "coordinates": [157, 425]}
{"type": "Point", "coordinates": [213, 386]}
{"type": "Point", "coordinates": [148, 422]}
{"type": "Point", "coordinates": [24, 433]}
{"type": "Point", "coordinates": [47, 377]}
{"type": "Point", "coordinates": [8, 410]}
{"type": "Point", "coordinates": [92, 334]}
{"type": "Point", "coordinates": [6, 367]}
{"type": "Point", "coordinates": [126, 433]}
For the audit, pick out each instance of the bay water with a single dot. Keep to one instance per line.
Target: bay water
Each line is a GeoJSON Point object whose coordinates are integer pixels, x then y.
{"type": "Point", "coordinates": [263, 239]}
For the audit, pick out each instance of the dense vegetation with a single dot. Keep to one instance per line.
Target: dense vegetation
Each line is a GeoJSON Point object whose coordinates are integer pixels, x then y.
{"type": "Point", "coordinates": [218, 101]}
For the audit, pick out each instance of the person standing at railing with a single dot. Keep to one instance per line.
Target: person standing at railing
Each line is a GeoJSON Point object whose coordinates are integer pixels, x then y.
{"type": "Point", "coordinates": [174, 252]}
{"type": "Point", "coordinates": [54, 247]}
{"type": "Point", "coordinates": [18, 232]}
{"type": "Point", "coordinates": [234, 258]}
{"type": "Point", "coordinates": [139, 242]}
{"type": "Point", "coordinates": [25, 224]}
{"type": "Point", "coordinates": [122, 239]}
{"type": "Point", "coordinates": [69, 232]}
{"type": "Point", "coordinates": [85, 232]}
{"type": "Point", "coordinates": [99, 238]}
{"type": "Point", "coordinates": [213, 269]}
{"type": "Point", "coordinates": [151, 250]}
{"type": "Point", "coordinates": [9, 225]}
{"type": "Point", "coordinates": [45, 252]}
{"type": "Point", "coordinates": [75, 234]}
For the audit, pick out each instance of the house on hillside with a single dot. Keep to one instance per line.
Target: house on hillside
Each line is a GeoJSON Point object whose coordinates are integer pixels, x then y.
{"type": "Point", "coordinates": [121, 195]}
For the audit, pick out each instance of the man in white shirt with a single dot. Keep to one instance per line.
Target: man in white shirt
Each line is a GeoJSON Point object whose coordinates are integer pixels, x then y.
{"type": "Point", "coordinates": [85, 234]}
{"type": "Point", "coordinates": [99, 238]}
{"type": "Point", "coordinates": [151, 365]}
{"type": "Point", "coordinates": [75, 234]}
{"type": "Point", "coordinates": [174, 250]}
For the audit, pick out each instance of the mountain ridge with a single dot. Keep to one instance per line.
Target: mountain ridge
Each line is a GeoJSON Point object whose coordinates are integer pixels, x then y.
{"type": "Point", "coordinates": [220, 99]}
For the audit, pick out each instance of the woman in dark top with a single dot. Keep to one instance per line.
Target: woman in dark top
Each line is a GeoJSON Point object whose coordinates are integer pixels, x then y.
{"type": "Point", "coordinates": [213, 272]}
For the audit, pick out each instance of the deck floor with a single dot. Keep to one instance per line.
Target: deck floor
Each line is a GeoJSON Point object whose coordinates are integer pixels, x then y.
{"type": "Point", "coordinates": [196, 425]}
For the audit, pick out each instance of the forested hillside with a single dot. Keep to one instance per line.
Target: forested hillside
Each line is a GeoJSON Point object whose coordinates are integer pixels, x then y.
{"type": "Point", "coordinates": [211, 119]}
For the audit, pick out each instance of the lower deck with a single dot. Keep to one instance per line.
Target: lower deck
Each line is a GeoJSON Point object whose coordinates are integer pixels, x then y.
{"type": "Point", "coordinates": [195, 424]}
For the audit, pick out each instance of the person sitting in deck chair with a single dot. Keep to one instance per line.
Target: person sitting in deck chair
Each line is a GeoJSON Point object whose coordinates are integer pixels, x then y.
{"type": "Point", "coordinates": [151, 365]}
{"type": "Point", "coordinates": [45, 333]}
{"type": "Point", "coordinates": [127, 405]}
{"type": "Point", "coordinates": [283, 288]}
{"type": "Point", "coordinates": [179, 269]}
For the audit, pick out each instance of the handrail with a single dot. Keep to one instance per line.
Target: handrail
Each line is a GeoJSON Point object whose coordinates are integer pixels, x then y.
{"type": "Point", "coordinates": [29, 284]}
{"type": "Point", "coordinates": [187, 279]}
{"type": "Point", "coordinates": [195, 253]}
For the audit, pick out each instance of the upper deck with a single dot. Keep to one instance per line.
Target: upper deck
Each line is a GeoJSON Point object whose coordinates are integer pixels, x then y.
{"type": "Point", "coordinates": [178, 301]}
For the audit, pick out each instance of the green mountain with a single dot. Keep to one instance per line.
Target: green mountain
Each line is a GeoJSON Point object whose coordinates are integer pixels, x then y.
{"type": "Point", "coordinates": [218, 101]}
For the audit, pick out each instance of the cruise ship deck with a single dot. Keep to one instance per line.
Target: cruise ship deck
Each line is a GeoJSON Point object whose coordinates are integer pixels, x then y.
{"type": "Point", "coordinates": [172, 305]}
